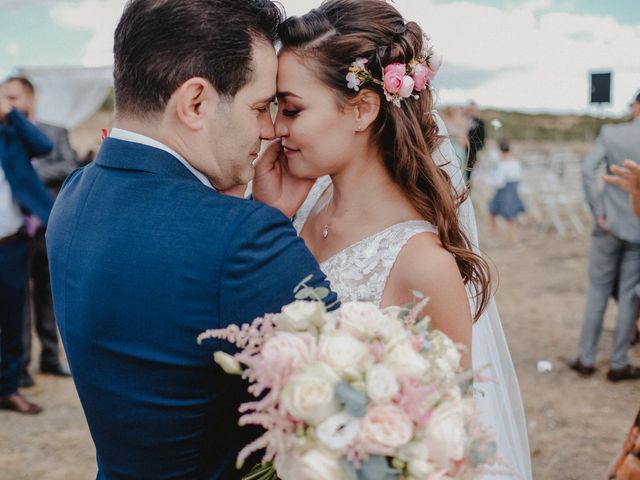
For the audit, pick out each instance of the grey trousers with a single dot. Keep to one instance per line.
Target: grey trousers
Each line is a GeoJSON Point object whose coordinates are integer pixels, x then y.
{"type": "Point", "coordinates": [610, 258]}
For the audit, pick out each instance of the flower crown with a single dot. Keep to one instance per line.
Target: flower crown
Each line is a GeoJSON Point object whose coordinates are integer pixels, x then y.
{"type": "Point", "coordinates": [399, 80]}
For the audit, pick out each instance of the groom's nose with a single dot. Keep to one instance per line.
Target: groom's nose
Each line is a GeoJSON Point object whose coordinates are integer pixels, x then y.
{"type": "Point", "coordinates": [266, 129]}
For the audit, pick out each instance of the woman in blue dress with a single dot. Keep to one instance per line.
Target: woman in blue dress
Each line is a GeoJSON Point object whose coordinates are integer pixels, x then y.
{"type": "Point", "coordinates": [506, 202]}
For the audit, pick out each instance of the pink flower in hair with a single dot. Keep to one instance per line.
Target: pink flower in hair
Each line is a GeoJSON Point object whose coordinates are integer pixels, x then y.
{"type": "Point", "coordinates": [420, 77]}
{"type": "Point", "coordinates": [435, 62]}
{"type": "Point", "coordinates": [392, 78]}
{"type": "Point", "coordinates": [407, 87]}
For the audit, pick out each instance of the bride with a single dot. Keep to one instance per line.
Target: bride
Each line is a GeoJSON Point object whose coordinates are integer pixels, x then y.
{"type": "Point", "coordinates": [382, 218]}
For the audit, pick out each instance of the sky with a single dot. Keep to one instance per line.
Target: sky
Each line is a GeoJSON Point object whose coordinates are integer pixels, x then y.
{"type": "Point", "coordinates": [529, 55]}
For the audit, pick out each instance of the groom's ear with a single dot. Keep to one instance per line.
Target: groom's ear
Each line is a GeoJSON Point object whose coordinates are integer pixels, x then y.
{"type": "Point", "coordinates": [366, 108]}
{"type": "Point", "coordinates": [193, 99]}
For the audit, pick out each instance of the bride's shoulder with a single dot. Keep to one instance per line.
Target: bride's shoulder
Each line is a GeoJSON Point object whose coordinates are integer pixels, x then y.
{"type": "Point", "coordinates": [424, 265]}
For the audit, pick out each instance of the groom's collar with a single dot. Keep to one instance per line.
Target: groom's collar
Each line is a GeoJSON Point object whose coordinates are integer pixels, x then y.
{"type": "Point", "coordinates": [131, 154]}
{"type": "Point", "coordinates": [133, 137]}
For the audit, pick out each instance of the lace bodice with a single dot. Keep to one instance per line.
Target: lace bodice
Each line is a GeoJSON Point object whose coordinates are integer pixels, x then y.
{"type": "Point", "coordinates": [360, 271]}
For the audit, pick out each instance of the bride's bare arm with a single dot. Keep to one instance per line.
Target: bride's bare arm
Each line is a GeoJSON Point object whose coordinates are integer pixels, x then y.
{"type": "Point", "coordinates": [425, 266]}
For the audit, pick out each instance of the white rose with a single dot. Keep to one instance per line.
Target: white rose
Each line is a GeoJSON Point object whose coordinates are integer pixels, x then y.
{"type": "Point", "coordinates": [310, 395]}
{"type": "Point", "coordinates": [300, 315]}
{"type": "Point", "coordinates": [291, 349]}
{"type": "Point", "coordinates": [312, 464]}
{"type": "Point", "coordinates": [347, 355]}
{"type": "Point", "coordinates": [392, 331]}
{"type": "Point", "coordinates": [228, 363]}
{"type": "Point", "coordinates": [338, 431]}
{"type": "Point", "coordinates": [420, 469]}
{"type": "Point", "coordinates": [361, 319]}
{"type": "Point", "coordinates": [445, 434]}
{"type": "Point", "coordinates": [386, 426]}
{"type": "Point", "coordinates": [403, 360]}
{"type": "Point", "coordinates": [416, 449]}
{"type": "Point", "coordinates": [382, 385]}
{"type": "Point", "coordinates": [444, 348]}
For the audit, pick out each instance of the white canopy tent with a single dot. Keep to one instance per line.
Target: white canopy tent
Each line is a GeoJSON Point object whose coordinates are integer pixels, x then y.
{"type": "Point", "coordinates": [68, 96]}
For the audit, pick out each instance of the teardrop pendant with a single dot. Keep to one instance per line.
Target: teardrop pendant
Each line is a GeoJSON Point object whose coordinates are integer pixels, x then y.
{"type": "Point", "coordinates": [325, 230]}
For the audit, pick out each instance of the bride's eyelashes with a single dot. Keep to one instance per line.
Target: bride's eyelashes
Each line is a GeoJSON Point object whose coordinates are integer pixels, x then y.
{"type": "Point", "coordinates": [290, 113]}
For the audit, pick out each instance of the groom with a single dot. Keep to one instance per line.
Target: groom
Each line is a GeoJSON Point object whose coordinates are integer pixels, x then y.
{"type": "Point", "coordinates": [146, 251]}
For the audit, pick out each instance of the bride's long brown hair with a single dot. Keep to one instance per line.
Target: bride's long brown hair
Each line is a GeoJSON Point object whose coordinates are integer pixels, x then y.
{"type": "Point", "coordinates": [332, 36]}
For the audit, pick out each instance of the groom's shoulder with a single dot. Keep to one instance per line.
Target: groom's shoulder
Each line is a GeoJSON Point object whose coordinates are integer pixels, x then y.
{"type": "Point", "coordinates": [245, 210]}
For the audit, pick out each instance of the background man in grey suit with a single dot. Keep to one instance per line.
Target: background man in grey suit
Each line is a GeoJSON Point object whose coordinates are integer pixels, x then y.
{"type": "Point", "coordinates": [52, 170]}
{"type": "Point", "coordinates": [615, 250]}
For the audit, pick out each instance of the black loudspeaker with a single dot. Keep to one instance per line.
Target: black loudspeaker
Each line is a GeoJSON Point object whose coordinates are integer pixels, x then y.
{"type": "Point", "coordinates": [601, 87]}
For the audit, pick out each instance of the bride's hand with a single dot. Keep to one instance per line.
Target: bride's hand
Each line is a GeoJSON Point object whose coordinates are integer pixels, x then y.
{"type": "Point", "coordinates": [275, 185]}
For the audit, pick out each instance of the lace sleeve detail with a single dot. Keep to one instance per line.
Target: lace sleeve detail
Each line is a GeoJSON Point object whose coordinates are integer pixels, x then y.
{"type": "Point", "coordinates": [360, 272]}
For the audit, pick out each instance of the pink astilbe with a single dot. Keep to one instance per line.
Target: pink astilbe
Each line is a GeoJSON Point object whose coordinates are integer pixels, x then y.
{"type": "Point", "coordinates": [410, 319]}
{"type": "Point", "coordinates": [413, 400]}
{"type": "Point", "coordinates": [248, 337]}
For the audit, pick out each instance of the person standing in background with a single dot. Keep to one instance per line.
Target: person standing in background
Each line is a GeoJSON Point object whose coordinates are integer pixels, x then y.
{"type": "Point", "coordinates": [20, 191]}
{"type": "Point", "coordinates": [52, 170]}
{"type": "Point", "coordinates": [476, 135]}
{"type": "Point", "coordinates": [506, 202]}
{"type": "Point", "coordinates": [615, 250]}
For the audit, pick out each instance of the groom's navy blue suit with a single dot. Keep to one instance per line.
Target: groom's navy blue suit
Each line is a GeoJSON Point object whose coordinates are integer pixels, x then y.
{"type": "Point", "coordinates": [144, 257]}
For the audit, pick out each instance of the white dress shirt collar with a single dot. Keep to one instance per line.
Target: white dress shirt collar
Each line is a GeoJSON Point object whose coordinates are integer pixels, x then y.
{"type": "Point", "coordinates": [129, 136]}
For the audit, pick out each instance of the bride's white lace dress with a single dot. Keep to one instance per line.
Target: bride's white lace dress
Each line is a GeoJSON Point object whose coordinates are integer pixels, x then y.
{"type": "Point", "coordinates": [360, 272]}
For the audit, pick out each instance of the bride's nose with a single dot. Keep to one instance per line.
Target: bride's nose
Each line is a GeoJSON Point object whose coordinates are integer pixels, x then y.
{"type": "Point", "coordinates": [280, 126]}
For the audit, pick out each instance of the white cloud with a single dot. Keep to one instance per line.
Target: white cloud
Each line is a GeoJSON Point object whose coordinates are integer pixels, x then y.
{"type": "Point", "coordinates": [525, 57]}
{"type": "Point", "coordinates": [12, 49]}
{"type": "Point", "coordinates": [99, 17]}
{"type": "Point", "coordinates": [529, 57]}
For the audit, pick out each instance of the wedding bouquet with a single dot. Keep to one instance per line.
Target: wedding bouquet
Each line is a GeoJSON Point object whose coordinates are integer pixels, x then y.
{"type": "Point", "coordinates": [355, 394]}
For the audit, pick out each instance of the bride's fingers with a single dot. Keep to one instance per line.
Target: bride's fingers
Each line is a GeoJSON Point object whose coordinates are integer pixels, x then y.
{"type": "Point", "coordinates": [269, 157]}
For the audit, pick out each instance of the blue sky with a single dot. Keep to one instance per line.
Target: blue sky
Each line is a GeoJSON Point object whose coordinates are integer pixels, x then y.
{"type": "Point", "coordinates": [521, 54]}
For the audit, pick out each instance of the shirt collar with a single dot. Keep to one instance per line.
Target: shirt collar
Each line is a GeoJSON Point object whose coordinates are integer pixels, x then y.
{"type": "Point", "coordinates": [129, 136]}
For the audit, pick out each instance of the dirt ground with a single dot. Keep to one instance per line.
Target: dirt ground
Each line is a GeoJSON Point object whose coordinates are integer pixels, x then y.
{"type": "Point", "coordinates": [575, 425]}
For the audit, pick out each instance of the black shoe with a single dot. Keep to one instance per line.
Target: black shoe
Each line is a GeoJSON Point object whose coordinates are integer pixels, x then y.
{"type": "Point", "coordinates": [57, 370]}
{"type": "Point", "coordinates": [26, 380]}
{"type": "Point", "coordinates": [581, 368]}
{"type": "Point", "coordinates": [626, 373]}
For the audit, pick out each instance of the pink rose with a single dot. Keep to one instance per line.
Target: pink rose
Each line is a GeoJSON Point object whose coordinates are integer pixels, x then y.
{"type": "Point", "coordinates": [420, 77]}
{"type": "Point", "coordinates": [435, 62]}
{"type": "Point", "coordinates": [385, 428]}
{"type": "Point", "coordinates": [407, 87]}
{"type": "Point", "coordinates": [392, 78]}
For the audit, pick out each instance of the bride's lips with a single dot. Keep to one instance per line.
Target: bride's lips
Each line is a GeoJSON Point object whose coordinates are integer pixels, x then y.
{"type": "Point", "coordinates": [288, 150]}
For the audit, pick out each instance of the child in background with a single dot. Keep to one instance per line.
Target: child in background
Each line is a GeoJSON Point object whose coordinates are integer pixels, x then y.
{"type": "Point", "coordinates": [506, 203]}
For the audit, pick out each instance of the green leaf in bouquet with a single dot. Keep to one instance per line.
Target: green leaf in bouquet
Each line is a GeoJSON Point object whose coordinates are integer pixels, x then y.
{"type": "Point", "coordinates": [321, 292]}
{"type": "Point", "coordinates": [262, 471]}
{"type": "Point", "coordinates": [304, 294]}
{"type": "Point", "coordinates": [480, 452]}
{"type": "Point", "coordinates": [303, 282]}
{"type": "Point", "coordinates": [353, 401]}
{"type": "Point", "coordinates": [377, 468]}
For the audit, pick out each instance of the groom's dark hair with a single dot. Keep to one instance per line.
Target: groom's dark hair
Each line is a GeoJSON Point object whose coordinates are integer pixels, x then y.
{"type": "Point", "coordinates": [160, 44]}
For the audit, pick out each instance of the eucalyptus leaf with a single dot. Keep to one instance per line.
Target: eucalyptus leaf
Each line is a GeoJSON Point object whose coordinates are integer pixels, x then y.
{"type": "Point", "coordinates": [303, 283]}
{"type": "Point", "coordinates": [321, 292]}
{"type": "Point", "coordinates": [305, 293]}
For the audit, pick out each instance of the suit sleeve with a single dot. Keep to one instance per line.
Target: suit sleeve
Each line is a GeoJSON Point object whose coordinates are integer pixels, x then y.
{"type": "Point", "coordinates": [265, 261]}
{"type": "Point", "coordinates": [591, 176]}
{"type": "Point", "coordinates": [60, 163]}
{"type": "Point", "coordinates": [35, 140]}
